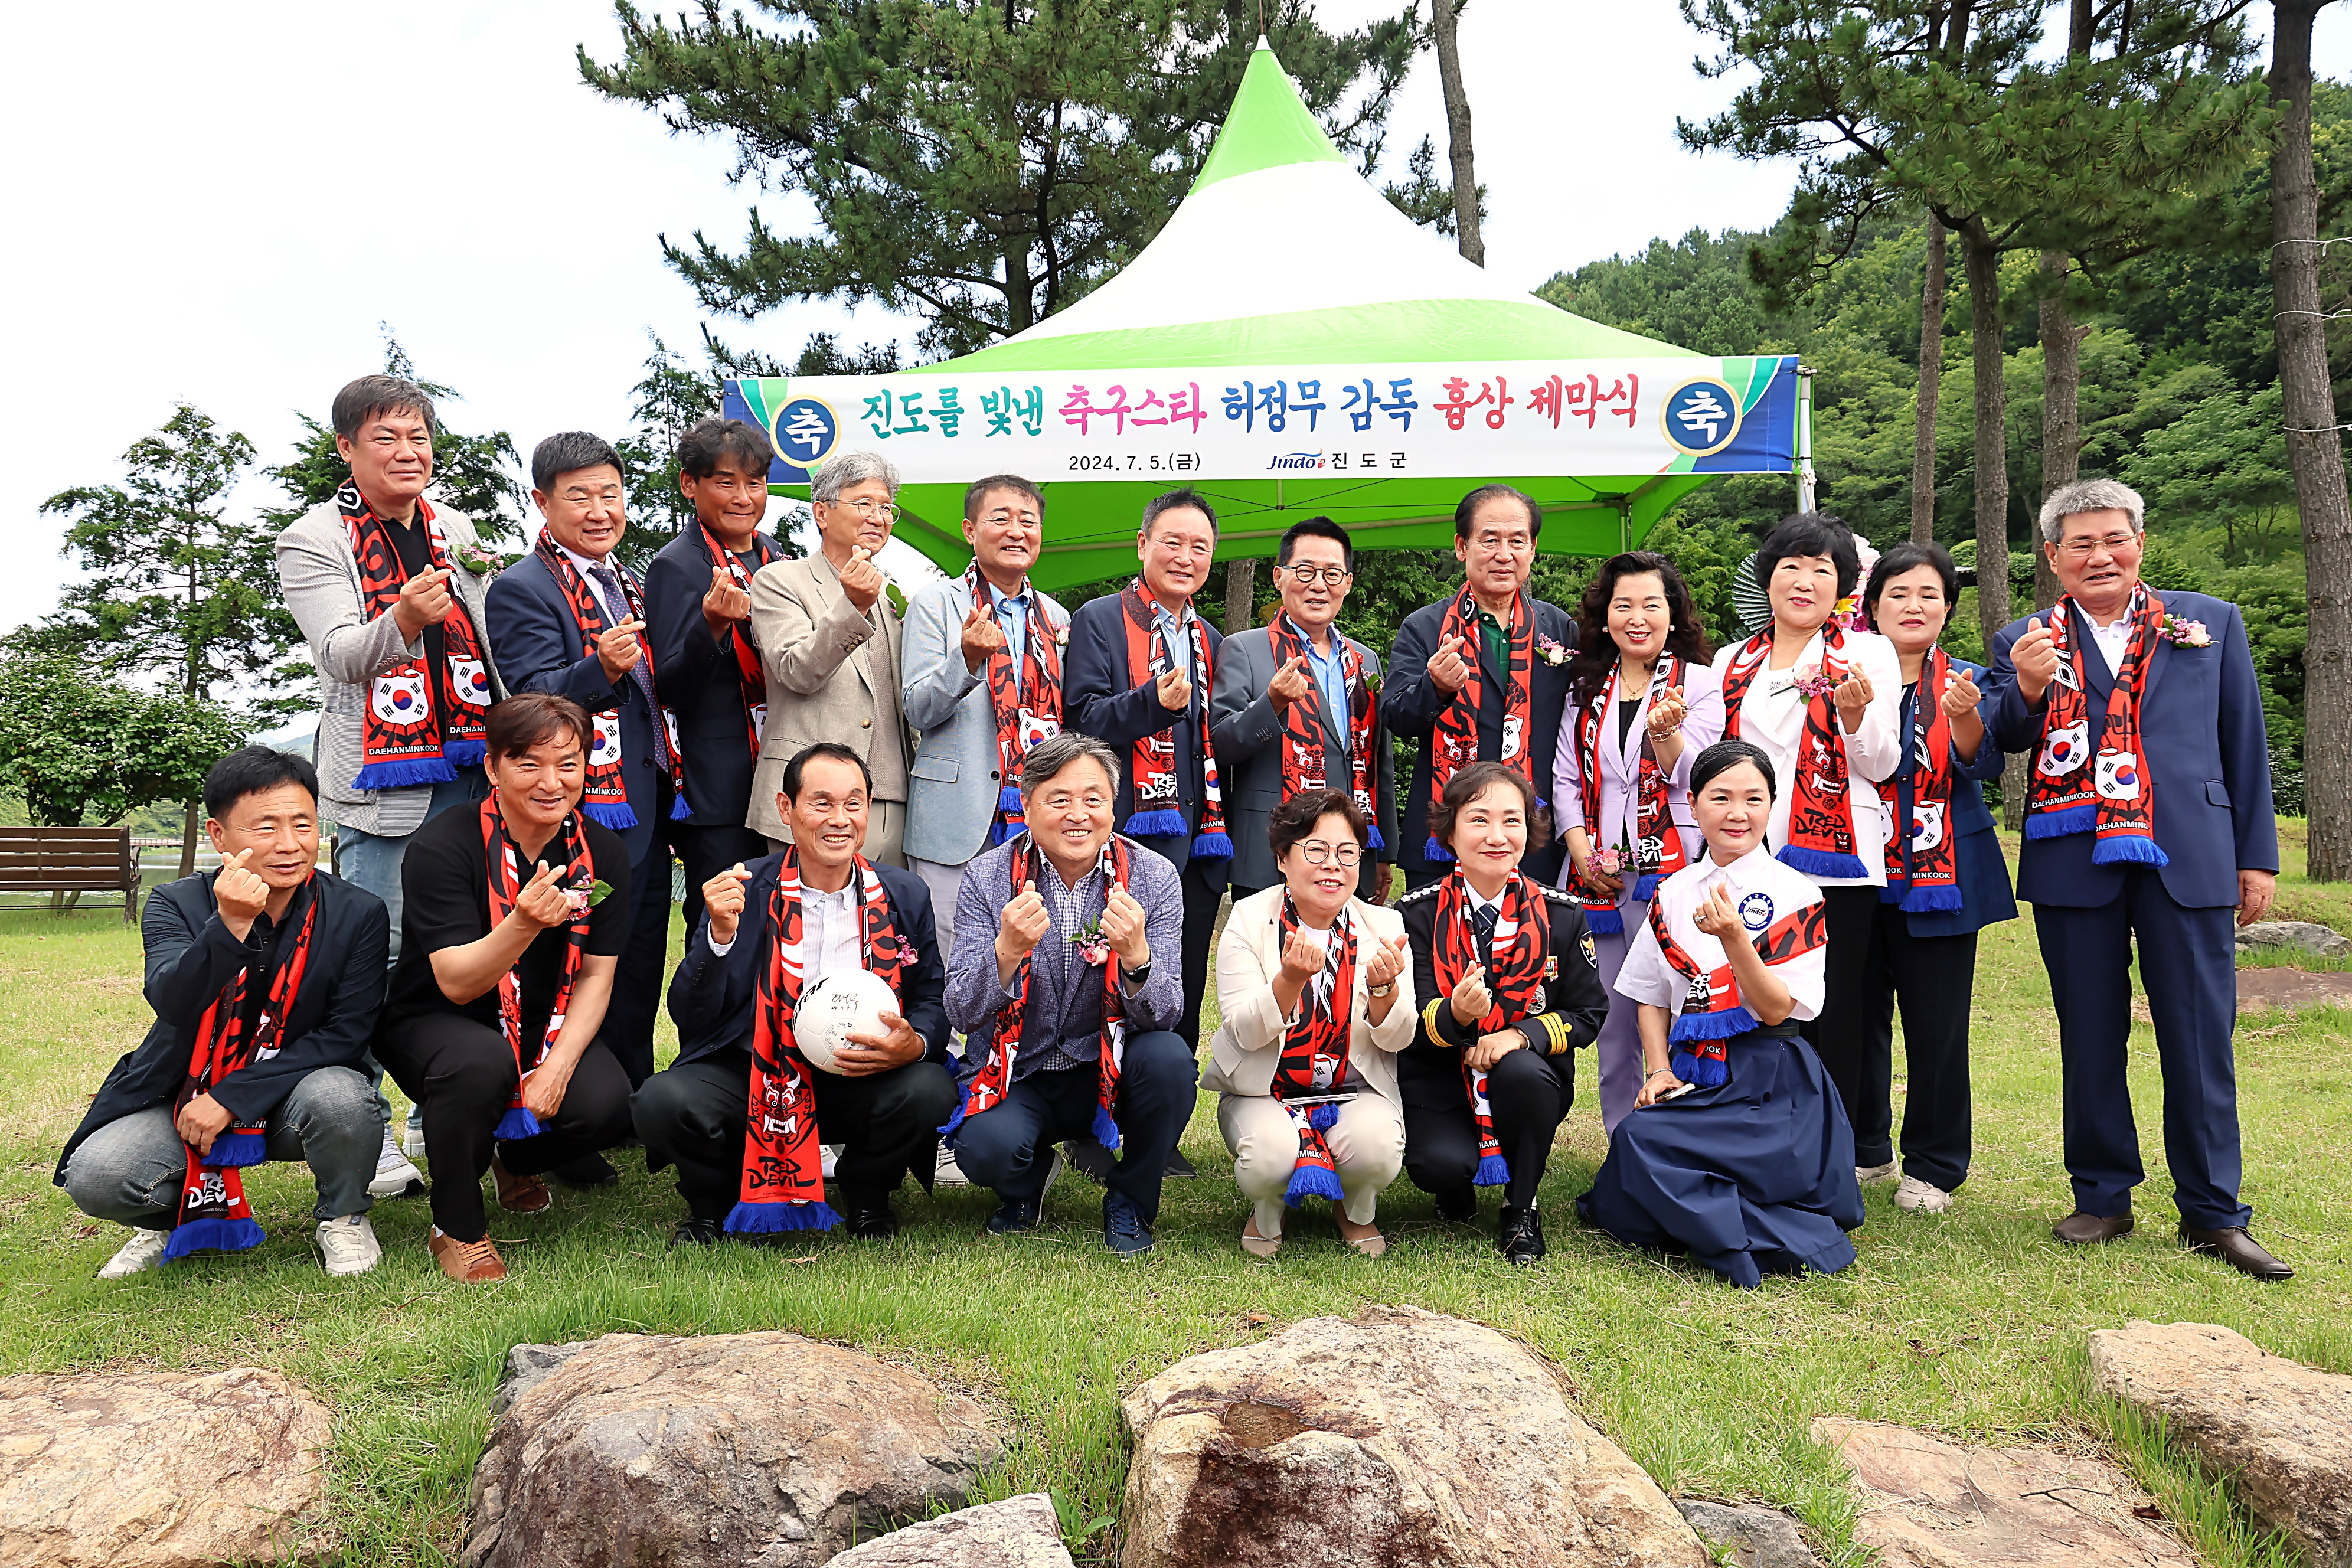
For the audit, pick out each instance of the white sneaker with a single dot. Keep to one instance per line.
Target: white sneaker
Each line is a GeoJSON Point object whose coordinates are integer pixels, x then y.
{"type": "Point", "coordinates": [947, 1172]}
{"type": "Point", "coordinates": [349, 1245]}
{"type": "Point", "coordinates": [1867, 1174]}
{"type": "Point", "coordinates": [828, 1156]}
{"type": "Point", "coordinates": [396, 1176]}
{"type": "Point", "coordinates": [412, 1136]}
{"type": "Point", "coordinates": [144, 1251]}
{"type": "Point", "coordinates": [1921, 1198]}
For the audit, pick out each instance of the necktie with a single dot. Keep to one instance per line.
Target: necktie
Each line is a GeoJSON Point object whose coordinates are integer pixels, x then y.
{"type": "Point", "coordinates": [616, 610]}
{"type": "Point", "coordinates": [1483, 917]}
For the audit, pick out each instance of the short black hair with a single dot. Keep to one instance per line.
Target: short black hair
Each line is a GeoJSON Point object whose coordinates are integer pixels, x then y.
{"type": "Point", "coordinates": [1809, 534]}
{"type": "Point", "coordinates": [372, 397]}
{"type": "Point", "coordinates": [1473, 781]}
{"type": "Point", "coordinates": [1296, 818]}
{"type": "Point", "coordinates": [708, 440]}
{"type": "Point", "coordinates": [1467, 507]}
{"type": "Point", "coordinates": [978, 492]}
{"type": "Point", "coordinates": [1174, 500]}
{"type": "Point", "coordinates": [1315, 528]}
{"type": "Point", "coordinates": [1725, 755]}
{"type": "Point", "coordinates": [1908, 556]}
{"type": "Point", "coordinates": [790, 785]}
{"type": "Point", "coordinates": [249, 770]}
{"type": "Point", "coordinates": [568, 452]}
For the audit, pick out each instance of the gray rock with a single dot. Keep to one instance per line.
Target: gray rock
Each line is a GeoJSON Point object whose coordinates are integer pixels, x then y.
{"type": "Point", "coordinates": [2281, 1431]}
{"type": "Point", "coordinates": [1761, 1537]}
{"type": "Point", "coordinates": [762, 1450]}
{"type": "Point", "coordinates": [526, 1365]}
{"type": "Point", "coordinates": [1019, 1533]}
{"type": "Point", "coordinates": [2304, 936]}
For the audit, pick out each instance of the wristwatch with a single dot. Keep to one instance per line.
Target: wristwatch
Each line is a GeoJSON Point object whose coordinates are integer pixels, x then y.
{"type": "Point", "coordinates": [1387, 990]}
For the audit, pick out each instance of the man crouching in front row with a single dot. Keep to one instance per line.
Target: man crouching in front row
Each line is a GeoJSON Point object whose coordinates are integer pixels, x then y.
{"type": "Point", "coordinates": [739, 1111]}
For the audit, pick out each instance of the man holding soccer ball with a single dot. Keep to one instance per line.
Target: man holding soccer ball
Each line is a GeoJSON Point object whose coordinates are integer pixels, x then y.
{"type": "Point", "coordinates": [790, 949]}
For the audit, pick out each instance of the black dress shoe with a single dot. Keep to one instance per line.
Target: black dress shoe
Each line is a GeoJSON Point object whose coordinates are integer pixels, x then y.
{"type": "Point", "coordinates": [1178, 1165]}
{"type": "Point", "coordinates": [871, 1222]}
{"type": "Point", "coordinates": [2240, 1250]}
{"type": "Point", "coordinates": [1010, 1218]}
{"type": "Point", "coordinates": [588, 1171]}
{"type": "Point", "coordinates": [2080, 1229]}
{"type": "Point", "coordinates": [694, 1232]}
{"type": "Point", "coordinates": [1519, 1238]}
{"type": "Point", "coordinates": [1090, 1160]}
{"type": "Point", "coordinates": [1458, 1208]}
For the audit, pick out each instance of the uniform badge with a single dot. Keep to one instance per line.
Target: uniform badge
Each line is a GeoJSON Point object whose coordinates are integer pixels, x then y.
{"type": "Point", "coordinates": [1591, 958]}
{"type": "Point", "coordinates": [1551, 966]}
{"type": "Point", "coordinates": [1756, 910]}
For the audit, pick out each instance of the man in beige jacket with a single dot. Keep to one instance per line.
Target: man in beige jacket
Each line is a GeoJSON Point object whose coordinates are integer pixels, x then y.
{"type": "Point", "coordinates": [829, 646]}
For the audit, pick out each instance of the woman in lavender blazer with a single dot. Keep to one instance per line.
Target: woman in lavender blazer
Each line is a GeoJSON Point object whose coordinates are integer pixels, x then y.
{"type": "Point", "coordinates": [1642, 685]}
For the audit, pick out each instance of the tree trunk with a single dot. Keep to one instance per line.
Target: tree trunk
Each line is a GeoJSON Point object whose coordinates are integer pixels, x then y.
{"type": "Point", "coordinates": [1983, 263]}
{"type": "Point", "coordinates": [2062, 424]}
{"type": "Point", "coordinates": [1931, 386]}
{"type": "Point", "coordinates": [1457, 133]}
{"type": "Point", "coordinates": [1241, 594]}
{"type": "Point", "coordinates": [188, 842]}
{"type": "Point", "coordinates": [2315, 450]}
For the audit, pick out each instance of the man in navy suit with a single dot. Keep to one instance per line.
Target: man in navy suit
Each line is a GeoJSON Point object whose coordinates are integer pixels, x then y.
{"type": "Point", "coordinates": [2153, 842]}
{"type": "Point", "coordinates": [566, 620]}
{"type": "Point", "coordinates": [1521, 641]}
{"type": "Point", "coordinates": [1157, 719]}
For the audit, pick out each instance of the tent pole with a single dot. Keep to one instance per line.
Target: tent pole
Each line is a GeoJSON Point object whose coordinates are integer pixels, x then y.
{"type": "Point", "coordinates": [1624, 525]}
{"type": "Point", "coordinates": [1806, 485]}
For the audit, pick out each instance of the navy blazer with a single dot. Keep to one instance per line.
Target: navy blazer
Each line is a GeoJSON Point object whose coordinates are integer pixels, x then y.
{"type": "Point", "coordinates": [2208, 760]}
{"type": "Point", "coordinates": [1099, 700]}
{"type": "Point", "coordinates": [192, 957]}
{"type": "Point", "coordinates": [1985, 895]}
{"type": "Point", "coordinates": [711, 997]}
{"type": "Point", "coordinates": [538, 647]}
{"type": "Point", "coordinates": [695, 676]}
{"type": "Point", "coordinates": [1411, 703]}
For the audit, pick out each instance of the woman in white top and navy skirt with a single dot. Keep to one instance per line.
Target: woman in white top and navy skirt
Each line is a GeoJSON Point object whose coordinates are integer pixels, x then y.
{"type": "Point", "coordinates": [1738, 1152]}
{"type": "Point", "coordinates": [1819, 700]}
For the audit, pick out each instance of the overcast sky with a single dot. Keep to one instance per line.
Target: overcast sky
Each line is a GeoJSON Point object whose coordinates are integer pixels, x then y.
{"type": "Point", "coordinates": [224, 210]}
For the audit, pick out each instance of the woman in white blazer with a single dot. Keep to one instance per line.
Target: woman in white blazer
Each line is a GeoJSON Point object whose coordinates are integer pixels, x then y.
{"type": "Point", "coordinates": [1316, 989]}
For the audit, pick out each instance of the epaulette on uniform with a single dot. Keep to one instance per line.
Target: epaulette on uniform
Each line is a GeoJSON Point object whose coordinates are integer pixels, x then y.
{"type": "Point", "coordinates": [1561, 896]}
{"type": "Point", "coordinates": [1423, 891]}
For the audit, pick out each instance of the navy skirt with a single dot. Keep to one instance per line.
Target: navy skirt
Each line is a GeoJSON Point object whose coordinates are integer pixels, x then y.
{"type": "Point", "coordinates": [1751, 1177]}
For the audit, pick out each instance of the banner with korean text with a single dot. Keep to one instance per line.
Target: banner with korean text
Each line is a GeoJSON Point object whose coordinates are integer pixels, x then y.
{"type": "Point", "coordinates": [1689, 414]}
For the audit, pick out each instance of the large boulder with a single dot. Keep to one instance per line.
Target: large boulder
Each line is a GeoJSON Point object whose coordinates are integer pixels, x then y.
{"type": "Point", "coordinates": [1019, 1533]}
{"type": "Point", "coordinates": [1395, 1437]}
{"type": "Point", "coordinates": [2280, 1430]}
{"type": "Point", "coordinates": [160, 1469]}
{"type": "Point", "coordinates": [765, 1449]}
{"type": "Point", "coordinates": [2302, 936]}
{"type": "Point", "coordinates": [1759, 1537]}
{"type": "Point", "coordinates": [1929, 1503]}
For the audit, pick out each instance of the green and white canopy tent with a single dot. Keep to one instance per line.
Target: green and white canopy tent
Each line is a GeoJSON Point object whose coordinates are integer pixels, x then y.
{"type": "Point", "coordinates": [1289, 345]}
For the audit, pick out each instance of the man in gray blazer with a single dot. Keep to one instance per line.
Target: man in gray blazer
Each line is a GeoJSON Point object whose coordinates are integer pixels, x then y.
{"type": "Point", "coordinates": [388, 593]}
{"type": "Point", "coordinates": [1302, 691]}
{"type": "Point", "coordinates": [829, 646]}
{"type": "Point", "coordinates": [963, 790]}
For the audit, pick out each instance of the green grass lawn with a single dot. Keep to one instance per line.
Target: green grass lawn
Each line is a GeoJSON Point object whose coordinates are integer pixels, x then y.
{"type": "Point", "coordinates": [1972, 1324]}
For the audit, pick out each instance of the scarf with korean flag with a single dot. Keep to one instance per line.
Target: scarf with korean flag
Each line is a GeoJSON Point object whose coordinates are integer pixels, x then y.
{"type": "Point", "coordinates": [421, 725]}
{"type": "Point", "coordinates": [2114, 799]}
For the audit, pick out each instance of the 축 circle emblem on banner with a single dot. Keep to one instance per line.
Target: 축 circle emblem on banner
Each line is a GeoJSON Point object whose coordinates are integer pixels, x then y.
{"type": "Point", "coordinates": [806, 431]}
{"type": "Point", "coordinates": [1701, 416]}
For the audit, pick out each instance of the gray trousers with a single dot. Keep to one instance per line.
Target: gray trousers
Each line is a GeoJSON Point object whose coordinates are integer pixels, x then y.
{"type": "Point", "coordinates": [129, 1170]}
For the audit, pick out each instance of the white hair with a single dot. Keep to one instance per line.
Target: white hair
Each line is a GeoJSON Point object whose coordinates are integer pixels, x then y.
{"type": "Point", "coordinates": [837, 474]}
{"type": "Point", "coordinates": [2088, 495]}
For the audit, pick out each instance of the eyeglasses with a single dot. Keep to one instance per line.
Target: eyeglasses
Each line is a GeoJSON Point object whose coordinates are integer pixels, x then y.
{"type": "Point", "coordinates": [1318, 853]}
{"type": "Point", "coordinates": [870, 511]}
{"type": "Point", "coordinates": [2084, 549]}
{"type": "Point", "coordinates": [1310, 575]}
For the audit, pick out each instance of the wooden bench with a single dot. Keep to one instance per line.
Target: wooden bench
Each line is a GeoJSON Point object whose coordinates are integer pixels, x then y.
{"type": "Point", "coordinates": [71, 860]}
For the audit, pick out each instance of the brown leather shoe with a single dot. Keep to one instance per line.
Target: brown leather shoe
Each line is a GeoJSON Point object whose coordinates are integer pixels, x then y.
{"type": "Point", "coordinates": [2237, 1248]}
{"type": "Point", "coordinates": [467, 1262]}
{"type": "Point", "coordinates": [2080, 1229]}
{"type": "Point", "coordinates": [519, 1194]}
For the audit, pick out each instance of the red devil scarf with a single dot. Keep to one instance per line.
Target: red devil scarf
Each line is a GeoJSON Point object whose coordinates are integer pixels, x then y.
{"type": "Point", "coordinates": [2115, 799]}
{"type": "Point", "coordinates": [421, 725]}
{"type": "Point", "coordinates": [1521, 949]}
{"type": "Point", "coordinates": [1302, 735]}
{"type": "Point", "coordinates": [988, 1086]}
{"type": "Point", "coordinates": [507, 876]}
{"type": "Point", "coordinates": [783, 1178]}
{"type": "Point", "coordinates": [607, 797]}
{"type": "Point", "coordinates": [1658, 850]}
{"type": "Point", "coordinates": [213, 1214]}
{"type": "Point", "coordinates": [1159, 814]}
{"type": "Point", "coordinates": [1922, 873]}
{"type": "Point", "coordinates": [1712, 1012]}
{"type": "Point", "coordinates": [1453, 738]}
{"type": "Point", "coordinates": [1026, 703]}
{"type": "Point", "coordinates": [1821, 797]}
{"type": "Point", "coordinates": [1314, 1054]}
{"type": "Point", "coordinates": [749, 675]}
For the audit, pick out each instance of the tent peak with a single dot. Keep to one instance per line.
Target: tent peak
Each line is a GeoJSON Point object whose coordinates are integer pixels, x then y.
{"type": "Point", "coordinates": [1268, 127]}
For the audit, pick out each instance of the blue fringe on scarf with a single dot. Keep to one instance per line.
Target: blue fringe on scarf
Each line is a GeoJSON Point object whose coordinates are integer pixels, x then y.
{"type": "Point", "coordinates": [1701, 1072]}
{"type": "Point", "coordinates": [1377, 841]}
{"type": "Point", "coordinates": [1212, 846]}
{"type": "Point", "coordinates": [1164, 823]}
{"type": "Point", "coordinates": [1605, 922]}
{"type": "Point", "coordinates": [1927, 900]}
{"type": "Point", "coordinates": [619, 818]}
{"type": "Point", "coordinates": [1494, 1171]}
{"type": "Point", "coordinates": [678, 810]}
{"type": "Point", "coordinates": [517, 1125]}
{"type": "Point", "coordinates": [1647, 888]}
{"type": "Point", "coordinates": [2059, 824]}
{"type": "Point", "coordinates": [408, 771]}
{"type": "Point", "coordinates": [214, 1233]}
{"type": "Point", "coordinates": [238, 1149]}
{"type": "Point", "coordinates": [1433, 850]}
{"type": "Point", "coordinates": [771, 1219]}
{"type": "Point", "coordinates": [2128, 849]}
{"type": "Point", "coordinates": [1723, 1026]}
{"type": "Point", "coordinates": [948, 1128]}
{"type": "Point", "coordinates": [1821, 862]}
{"type": "Point", "coordinates": [1311, 1182]}
{"type": "Point", "coordinates": [1105, 1129]}
{"type": "Point", "coordinates": [466, 754]}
